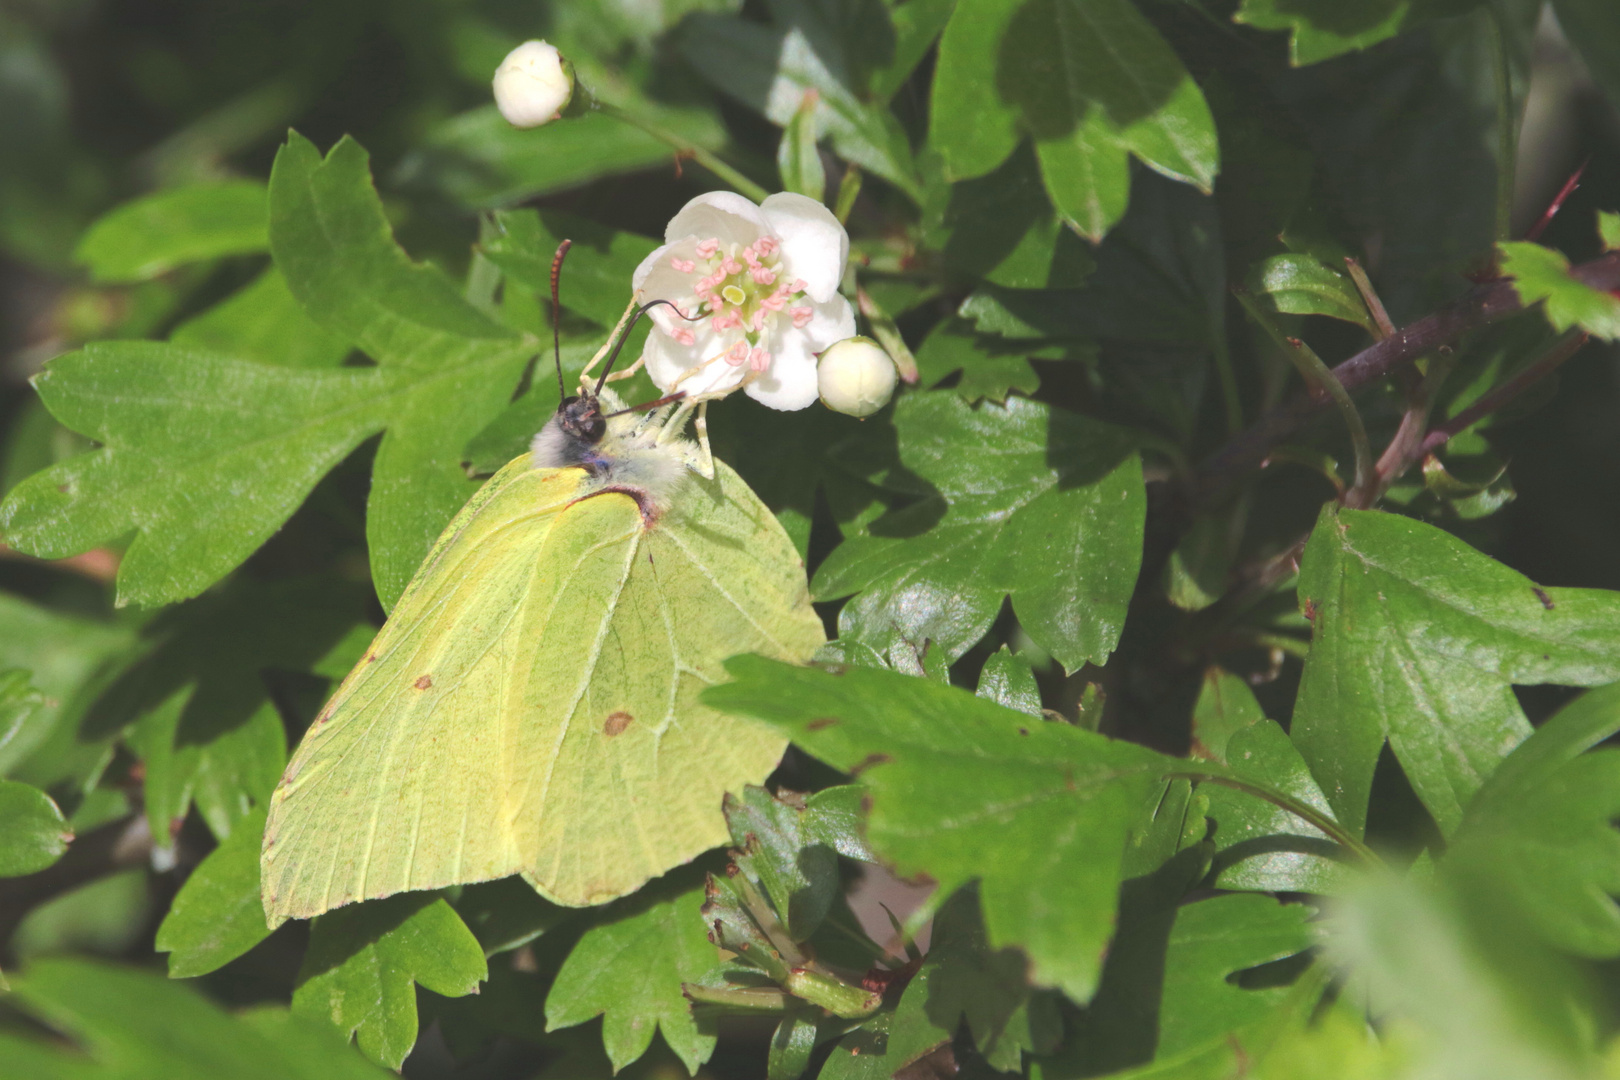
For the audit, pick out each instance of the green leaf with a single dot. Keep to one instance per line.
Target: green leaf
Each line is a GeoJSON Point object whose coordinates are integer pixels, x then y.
{"type": "Point", "coordinates": [1211, 942]}
{"type": "Point", "coordinates": [1091, 80]}
{"type": "Point", "coordinates": [33, 833]}
{"type": "Point", "coordinates": [963, 978]}
{"type": "Point", "coordinates": [261, 321]}
{"type": "Point", "coordinates": [68, 658]}
{"type": "Point", "coordinates": [1007, 680]}
{"type": "Point", "coordinates": [1609, 230]}
{"type": "Point", "coordinates": [155, 234]}
{"type": "Point", "coordinates": [629, 970]}
{"type": "Point", "coordinates": [18, 702]}
{"type": "Point", "coordinates": [1053, 518]}
{"type": "Point", "coordinates": [990, 369]}
{"type": "Point", "coordinates": [217, 915]}
{"type": "Point", "coordinates": [129, 1023]}
{"type": "Point", "coordinates": [1540, 273]}
{"type": "Point", "coordinates": [1417, 640]}
{"type": "Point", "coordinates": [1541, 830]}
{"type": "Point", "coordinates": [184, 433]}
{"type": "Point", "coordinates": [963, 789]}
{"type": "Point", "coordinates": [480, 161]}
{"type": "Point", "coordinates": [798, 873]}
{"type": "Point", "coordinates": [1322, 29]}
{"type": "Point", "coordinates": [364, 961]}
{"type": "Point", "coordinates": [771, 70]}
{"type": "Point", "coordinates": [508, 913]}
{"type": "Point", "coordinates": [798, 161]}
{"type": "Point", "coordinates": [1002, 227]}
{"type": "Point", "coordinates": [1305, 285]}
{"type": "Point", "coordinates": [203, 719]}
{"type": "Point", "coordinates": [1258, 845]}
{"type": "Point", "coordinates": [595, 280]}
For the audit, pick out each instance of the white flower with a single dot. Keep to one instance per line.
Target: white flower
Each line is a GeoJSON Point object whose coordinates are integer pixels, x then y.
{"type": "Point", "coordinates": [759, 288]}
{"type": "Point", "coordinates": [856, 377]}
{"type": "Point", "coordinates": [533, 84]}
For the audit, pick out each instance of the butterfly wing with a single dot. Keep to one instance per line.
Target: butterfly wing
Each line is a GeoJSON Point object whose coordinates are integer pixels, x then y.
{"type": "Point", "coordinates": [530, 706]}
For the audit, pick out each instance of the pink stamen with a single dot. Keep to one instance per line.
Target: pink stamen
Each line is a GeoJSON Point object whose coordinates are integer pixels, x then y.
{"type": "Point", "coordinates": [738, 354]}
{"type": "Point", "coordinates": [766, 246]}
{"type": "Point", "coordinates": [758, 321]}
{"type": "Point", "coordinates": [729, 266]}
{"type": "Point", "coordinates": [759, 359]}
{"type": "Point", "coordinates": [702, 287]}
{"type": "Point", "coordinates": [801, 317]}
{"type": "Point", "coordinates": [685, 266]}
{"type": "Point", "coordinates": [799, 285]}
{"type": "Point", "coordinates": [707, 248]}
{"type": "Point", "coordinates": [684, 335]}
{"type": "Point", "coordinates": [726, 320]}
{"type": "Point", "coordinates": [777, 300]}
{"type": "Point", "coordinates": [749, 257]}
{"type": "Point", "coordinates": [763, 275]}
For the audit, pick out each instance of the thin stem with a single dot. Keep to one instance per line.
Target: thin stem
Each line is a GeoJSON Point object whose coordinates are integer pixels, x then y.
{"type": "Point", "coordinates": [1507, 127]}
{"type": "Point", "coordinates": [849, 189]}
{"type": "Point", "coordinates": [1302, 810]}
{"type": "Point", "coordinates": [1544, 365]}
{"type": "Point", "coordinates": [1407, 445]}
{"type": "Point", "coordinates": [1369, 296]}
{"type": "Point", "coordinates": [1230, 399]}
{"type": "Point", "coordinates": [690, 149]}
{"type": "Point", "coordinates": [1485, 304]}
{"type": "Point", "coordinates": [1319, 376]}
{"type": "Point", "coordinates": [887, 332]}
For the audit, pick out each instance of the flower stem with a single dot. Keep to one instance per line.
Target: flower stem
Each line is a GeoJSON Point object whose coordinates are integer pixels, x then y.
{"type": "Point", "coordinates": [703, 157]}
{"type": "Point", "coordinates": [1507, 127]}
{"type": "Point", "coordinates": [1302, 810]}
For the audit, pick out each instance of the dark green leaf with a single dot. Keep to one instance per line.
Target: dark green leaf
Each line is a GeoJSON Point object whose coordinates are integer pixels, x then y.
{"type": "Point", "coordinates": [595, 280]}
{"type": "Point", "coordinates": [1032, 502]}
{"type": "Point", "coordinates": [629, 970]}
{"type": "Point", "coordinates": [217, 915]}
{"type": "Point", "coordinates": [68, 658]}
{"type": "Point", "coordinates": [963, 978]}
{"type": "Point", "coordinates": [19, 700]}
{"type": "Point", "coordinates": [962, 789]}
{"type": "Point", "coordinates": [184, 433]}
{"type": "Point", "coordinates": [1593, 28]}
{"type": "Point", "coordinates": [481, 161]}
{"type": "Point", "coordinates": [138, 1024]}
{"type": "Point", "coordinates": [144, 238]}
{"type": "Point", "coordinates": [799, 874]}
{"type": "Point", "coordinates": [262, 322]}
{"type": "Point", "coordinates": [887, 1043]}
{"type": "Point", "coordinates": [364, 961]}
{"type": "Point", "coordinates": [1322, 29]}
{"type": "Point", "coordinates": [33, 833]}
{"type": "Point", "coordinates": [1417, 640]}
{"type": "Point", "coordinates": [508, 913]}
{"type": "Point", "coordinates": [1091, 80]}
{"type": "Point", "coordinates": [1304, 285]}
{"type": "Point", "coordinates": [1542, 274]}
{"type": "Point", "coordinates": [989, 368]}
{"type": "Point", "coordinates": [834, 816]}
{"type": "Point", "coordinates": [1541, 830]}
{"type": "Point", "coordinates": [771, 69]}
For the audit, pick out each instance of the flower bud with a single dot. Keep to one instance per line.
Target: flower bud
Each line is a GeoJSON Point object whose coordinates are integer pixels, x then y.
{"type": "Point", "coordinates": [533, 84]}
{"type": "Point", "coordinates": [855, 376]}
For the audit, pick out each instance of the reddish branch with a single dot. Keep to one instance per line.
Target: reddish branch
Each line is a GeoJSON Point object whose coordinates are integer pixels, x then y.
{"type": "Point", "coordinates": [1483, 305]}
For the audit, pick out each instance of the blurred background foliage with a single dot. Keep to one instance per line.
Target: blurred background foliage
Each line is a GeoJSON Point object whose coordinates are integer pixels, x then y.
{"type": "Point", "coordinates": [1337, 136]}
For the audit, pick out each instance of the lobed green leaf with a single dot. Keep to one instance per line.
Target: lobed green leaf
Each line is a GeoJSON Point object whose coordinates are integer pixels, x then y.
{"type": "Point", "coordinates": [154, 234]}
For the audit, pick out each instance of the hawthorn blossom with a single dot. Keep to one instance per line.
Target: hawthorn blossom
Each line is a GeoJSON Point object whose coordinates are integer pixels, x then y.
{"type": "Point", "coordinates": [757, 292]}
{"type": "Point", "coordinates": [533, 84]}
{"type": "Point", "coordinates": [856, 377]}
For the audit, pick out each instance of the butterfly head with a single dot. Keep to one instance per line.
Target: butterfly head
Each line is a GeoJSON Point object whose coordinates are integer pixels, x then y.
{"type": "Point", "coordinates": [579, 418]}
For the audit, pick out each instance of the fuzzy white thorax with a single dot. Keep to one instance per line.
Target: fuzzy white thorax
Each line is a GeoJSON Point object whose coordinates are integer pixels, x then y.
{"type": "Point", "coordinates": [630, 455]}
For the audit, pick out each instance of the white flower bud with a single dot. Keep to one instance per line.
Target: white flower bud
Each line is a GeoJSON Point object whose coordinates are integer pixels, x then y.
{"type": "Point", "coordinates": [856, 377]}
{"type": "Point", "coordinates": [533, 84]}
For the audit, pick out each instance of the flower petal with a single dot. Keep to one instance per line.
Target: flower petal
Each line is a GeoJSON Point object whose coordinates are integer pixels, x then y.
{"type": "Point", "coordinates": [667, 360]}
{"type": "Point", "coordinates": [829, 322]}
{"type": "Point", "coordinates": [721, 214]}
{"type": "Point", "coordinates": [790, 384]}
{"type": "Point", "coordinates": [814, 246]}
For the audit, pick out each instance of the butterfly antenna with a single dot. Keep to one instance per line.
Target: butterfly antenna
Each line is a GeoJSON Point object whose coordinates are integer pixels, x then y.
{"type": "Point", "coordinates": [640, 311]}
{"type": "Point", "coordinates": [556, 315]}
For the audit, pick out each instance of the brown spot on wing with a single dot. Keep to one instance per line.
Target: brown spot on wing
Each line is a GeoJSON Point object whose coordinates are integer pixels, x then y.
{"type": "Point", "coordinates": [424, 682]}
{"type": "Point", "coordinates": [819, 724]}
{"type": "Point", "coordinates": [616, 722]}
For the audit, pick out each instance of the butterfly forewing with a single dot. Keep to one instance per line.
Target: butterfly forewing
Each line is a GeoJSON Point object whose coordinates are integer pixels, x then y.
{"type": "Point", "coordinates": [531, 705]}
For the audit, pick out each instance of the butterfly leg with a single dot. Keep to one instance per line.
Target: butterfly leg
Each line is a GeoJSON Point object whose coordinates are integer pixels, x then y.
{"type": "Point", "coordinates": [584, 376]}
{"type": "Point", "coordinates": [701, 426]}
